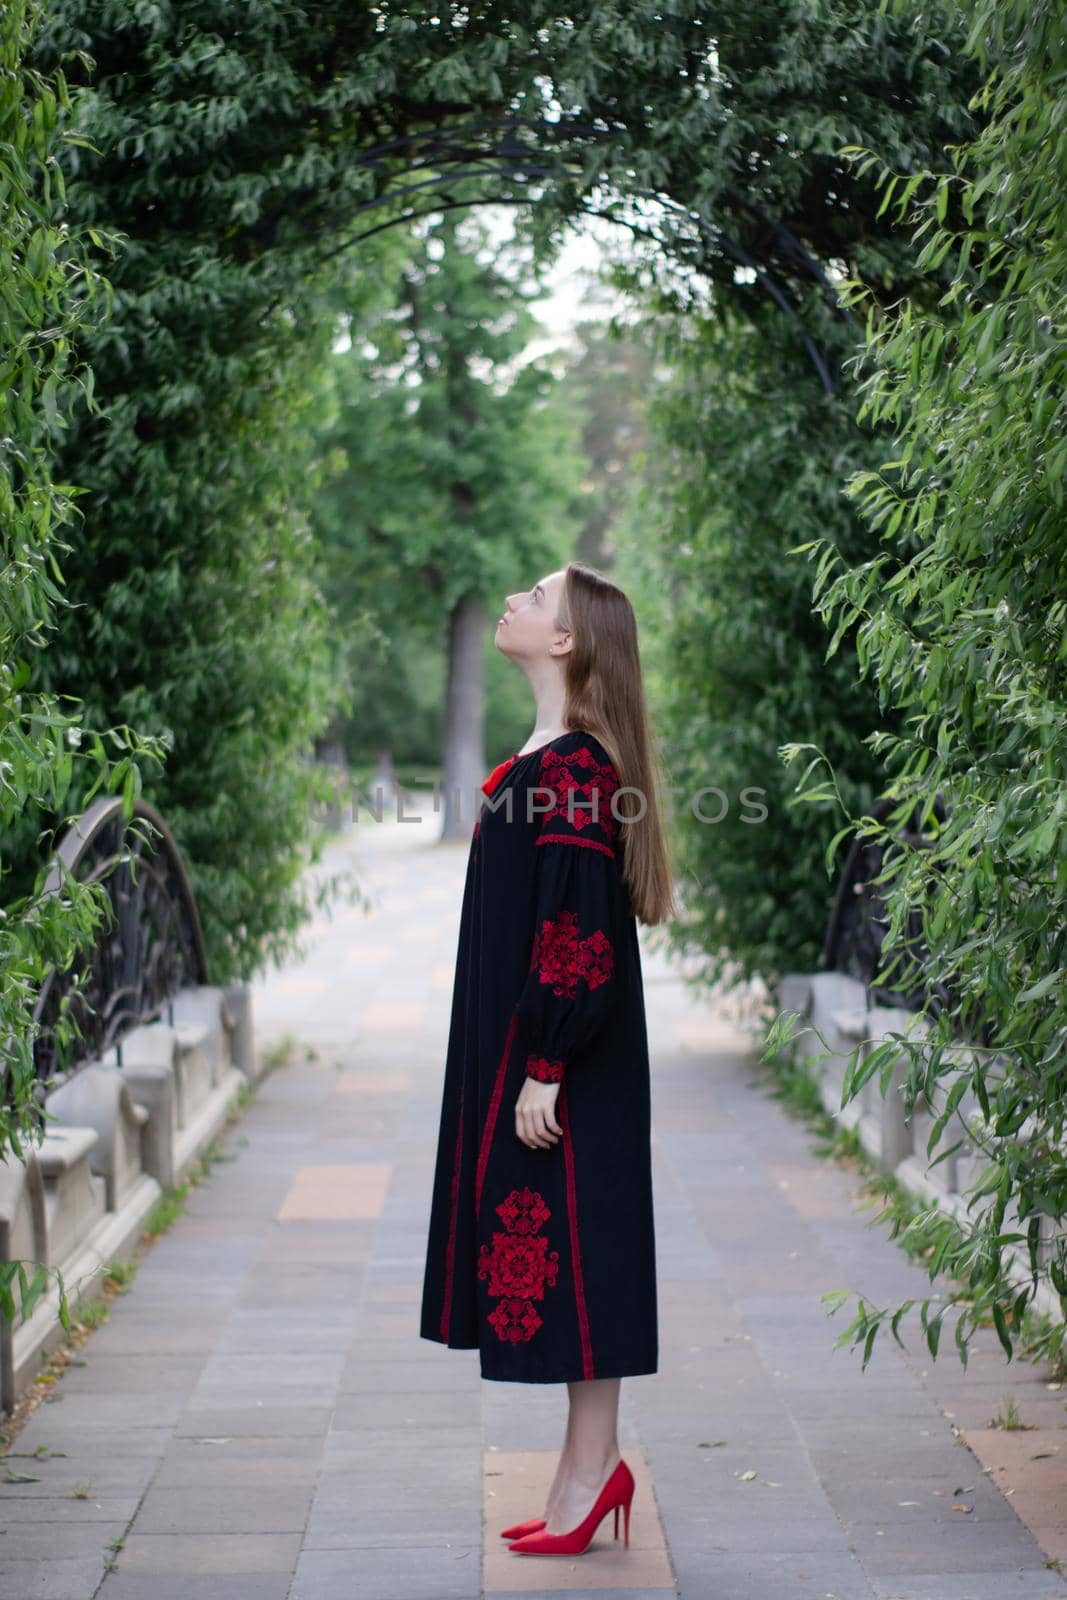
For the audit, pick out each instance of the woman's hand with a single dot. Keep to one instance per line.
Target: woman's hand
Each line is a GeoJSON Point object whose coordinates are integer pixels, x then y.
{"type": "Point", "coordinates": [535, 1114]}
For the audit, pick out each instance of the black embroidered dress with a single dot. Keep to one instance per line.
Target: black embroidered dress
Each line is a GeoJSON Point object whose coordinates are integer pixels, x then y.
{"type": "Point", "coordinates": [544, 1259]}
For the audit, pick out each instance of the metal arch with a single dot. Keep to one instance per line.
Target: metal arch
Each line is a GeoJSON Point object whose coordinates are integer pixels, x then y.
{"type": "Point", "coordinates": [151, 947]}
{"type": "Point", "coordinates": [858, 924]}
{"type": "Point", "coordinates": [455, 147]}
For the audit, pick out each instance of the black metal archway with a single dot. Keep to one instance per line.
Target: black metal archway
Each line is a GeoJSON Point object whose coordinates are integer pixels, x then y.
{"type": "Point", "coordinates": [506, 151]}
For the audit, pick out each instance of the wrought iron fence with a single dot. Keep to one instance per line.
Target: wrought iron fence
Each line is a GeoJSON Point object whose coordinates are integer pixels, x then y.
{"type": "Point", "coordinates": [856, 933]}
{"type": "Point", "coordinates": [151, 947]}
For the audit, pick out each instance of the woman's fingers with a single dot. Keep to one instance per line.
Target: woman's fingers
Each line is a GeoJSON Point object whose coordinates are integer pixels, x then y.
{"type": "Point", "coordinates": [535, 1116]}
{"type": "Point", "coordinates": [532, 1135]}
{"type": "Point", "coordinates": [537, 1128]}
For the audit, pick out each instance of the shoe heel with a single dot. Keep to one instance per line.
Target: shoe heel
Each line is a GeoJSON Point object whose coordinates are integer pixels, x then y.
{"type": "Point", "coordinates": [626, 1508]}
{"type": "Point", "coordinates": [616, 1522]}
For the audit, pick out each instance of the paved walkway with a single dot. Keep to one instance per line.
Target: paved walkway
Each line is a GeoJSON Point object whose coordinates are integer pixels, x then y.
{"type": "Point", "coordinates": [259, 1419]}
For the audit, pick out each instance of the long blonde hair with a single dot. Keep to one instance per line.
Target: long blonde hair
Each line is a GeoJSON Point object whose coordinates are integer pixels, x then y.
{"type": "Point", "coordinates": [604, 694]}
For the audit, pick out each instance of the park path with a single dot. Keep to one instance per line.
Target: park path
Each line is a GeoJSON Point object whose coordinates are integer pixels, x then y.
{"type": "Point", "coordinates": [259, 1419]}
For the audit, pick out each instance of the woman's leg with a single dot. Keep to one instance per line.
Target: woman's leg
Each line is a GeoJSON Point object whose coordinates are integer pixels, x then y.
{"type": "Point", "coordinates": [590, 1452]}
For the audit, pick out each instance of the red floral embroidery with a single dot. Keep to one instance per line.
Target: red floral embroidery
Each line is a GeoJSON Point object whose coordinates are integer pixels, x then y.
{"type": "Point", "coordinates": [563, 960]}
{"type": "Point", "coordinates": [514, 1320]}
{"type": "Point", "coordinates": [518, 1265]}
{"type": "Point", "coordinates": [580, 774]}
{"type": "Point", "coordinates": [543, 1069]}
{"type": "Point", "coordinates": [524, 1211]}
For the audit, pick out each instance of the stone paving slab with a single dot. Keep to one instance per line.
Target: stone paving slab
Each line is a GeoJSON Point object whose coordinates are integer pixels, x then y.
{"type": "Point", "coordinates": [968, 1586]}
{"type": "Point", "coordinates": [259, 1419]}
{"type": "Point", "coordinates": [149, 1555]}
{"type": "Point", "coordinates": [62, 1538]}
{"type": "Point", "coordinates": [57, 1578]}
{"type": "Point", "coordinates": [200, 1586]}
{"type": "Point", "coordinates": [116, 1510]}
{"type": "Point", "coordinates": [411, 1573]}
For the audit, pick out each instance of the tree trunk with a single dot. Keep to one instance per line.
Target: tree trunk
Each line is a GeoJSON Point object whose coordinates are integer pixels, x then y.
{"type": "Point", "coordinates": [383, 784]}
{"type": "Point", "coordinates": [463, 762]}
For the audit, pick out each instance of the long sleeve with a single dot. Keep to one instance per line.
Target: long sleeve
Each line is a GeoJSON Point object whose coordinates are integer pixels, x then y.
{"type": "Point", "coordinates": [579, 896]}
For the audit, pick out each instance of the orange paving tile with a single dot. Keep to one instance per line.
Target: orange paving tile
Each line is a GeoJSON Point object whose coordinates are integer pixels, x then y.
{"type": "Point", "coordinates": [391, 1016]}
{"type": "Point", "coordinates": [516, 1483]}
{"type": "Point", "coordinates": [1028, 1466]}
{"type": "Point", "coordinates": [337, 1193]}
{"type": "Point", "coordinates": [357, 1082]}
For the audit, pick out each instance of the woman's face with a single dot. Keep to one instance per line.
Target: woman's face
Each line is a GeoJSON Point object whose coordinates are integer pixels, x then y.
{"type": "Point", "coordinates": [529, 625]}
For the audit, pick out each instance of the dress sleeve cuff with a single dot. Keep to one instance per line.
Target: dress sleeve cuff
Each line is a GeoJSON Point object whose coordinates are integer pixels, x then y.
{"type": "Point", "coordinates": [545, 1070]}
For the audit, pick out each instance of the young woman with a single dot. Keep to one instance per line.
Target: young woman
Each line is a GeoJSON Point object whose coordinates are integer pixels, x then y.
{"type": "Point", "coordinates": [541, 1250]}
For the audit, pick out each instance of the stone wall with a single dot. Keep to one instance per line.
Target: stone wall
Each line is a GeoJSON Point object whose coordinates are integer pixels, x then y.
{"type": "Point", "coordinates": [837, 1007]}
{"type": "Point", "coordinates": [119, 1132]}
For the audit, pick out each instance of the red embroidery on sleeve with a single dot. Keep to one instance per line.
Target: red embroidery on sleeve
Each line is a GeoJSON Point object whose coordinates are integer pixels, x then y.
{"type": "Point", "coordinates": [563, 960]}
{"type": "Point", "coordinates": [580, 774]}
{"type": "Point", "coordinates": [546, 1071]}
{"type": "Point", "coordinates": [518, 1265]}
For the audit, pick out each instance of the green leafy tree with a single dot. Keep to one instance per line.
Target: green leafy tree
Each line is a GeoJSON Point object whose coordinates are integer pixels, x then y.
{"type": "Point", "coordinates": [747, 467]}
{"type": "Point", "coordinates": [611, 377]}
{"type": "Point", "coordinates": [195, 571]}
{"type": "Point", "coordinates": [461, 475]}
{"type": "Point", "coordinates": [53, 294]}
{"type": "Point", "coordinates": [959, 620]}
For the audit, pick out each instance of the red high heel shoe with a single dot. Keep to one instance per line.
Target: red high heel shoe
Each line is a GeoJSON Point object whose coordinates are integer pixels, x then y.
{"type": "Point", "coordinates": [517, 1529]}
{"type": "Point", "coordinates": [618, 1491]}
